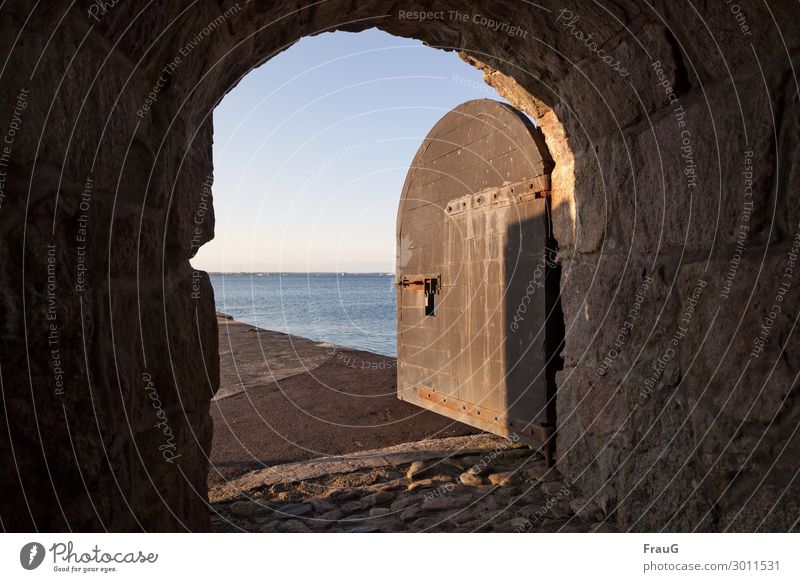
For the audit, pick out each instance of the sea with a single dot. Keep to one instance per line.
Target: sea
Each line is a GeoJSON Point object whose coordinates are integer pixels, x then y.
{"type": "Point", "coordinates": [355, 310]}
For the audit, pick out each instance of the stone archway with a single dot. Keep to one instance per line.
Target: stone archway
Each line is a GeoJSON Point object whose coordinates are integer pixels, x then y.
{"type": "Point", "coordinates": [650, 113]}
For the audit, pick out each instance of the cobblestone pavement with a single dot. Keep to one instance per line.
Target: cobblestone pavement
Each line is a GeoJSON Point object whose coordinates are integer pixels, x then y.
{"type": "Point", "coordinates": [506, 488]}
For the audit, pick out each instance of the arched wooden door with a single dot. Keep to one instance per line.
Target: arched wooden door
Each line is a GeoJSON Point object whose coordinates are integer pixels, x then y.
{"type": "Point", "coordinates": [473, 270]}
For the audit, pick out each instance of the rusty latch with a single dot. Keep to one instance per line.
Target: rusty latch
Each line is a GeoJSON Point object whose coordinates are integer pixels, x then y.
{"type": "Point", "coordinates": [428, 284]}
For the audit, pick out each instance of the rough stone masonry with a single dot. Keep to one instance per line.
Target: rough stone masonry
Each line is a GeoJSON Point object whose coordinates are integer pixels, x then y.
{"type": "Point", "coordinates": [672, 173]}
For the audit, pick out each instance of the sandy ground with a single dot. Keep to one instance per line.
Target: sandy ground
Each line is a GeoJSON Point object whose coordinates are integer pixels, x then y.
{"type": "Point", "coordinates": [311, 438]}
{"type": "Point", "coordinates": [284, 399]}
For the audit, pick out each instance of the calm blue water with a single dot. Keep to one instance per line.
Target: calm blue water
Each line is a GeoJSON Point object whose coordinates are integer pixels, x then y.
{"type": "Point", "coordinates": [357, 311]}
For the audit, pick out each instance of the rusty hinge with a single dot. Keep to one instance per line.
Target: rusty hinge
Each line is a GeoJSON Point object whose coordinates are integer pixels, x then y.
{"type": "Point", "coordinates": [543, 434]}
{"type": "Point", "coordinates": [505, 195]}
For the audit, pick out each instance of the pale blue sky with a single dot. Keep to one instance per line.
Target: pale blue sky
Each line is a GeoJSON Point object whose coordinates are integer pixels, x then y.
{"type": "Point", "coordinates": [312, 148]}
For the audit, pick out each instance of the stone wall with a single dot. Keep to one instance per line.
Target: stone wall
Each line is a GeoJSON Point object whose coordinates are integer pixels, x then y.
{"type": "Point", "coordinates": [108, 341]}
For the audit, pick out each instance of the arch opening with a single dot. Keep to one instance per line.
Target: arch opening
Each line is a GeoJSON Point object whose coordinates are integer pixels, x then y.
{"type": "Point", "coordinates": [310, 365]}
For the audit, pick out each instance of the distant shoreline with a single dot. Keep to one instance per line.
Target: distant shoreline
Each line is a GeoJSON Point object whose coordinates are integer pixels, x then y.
{"type": "Point", "coordinates": [305, 273]}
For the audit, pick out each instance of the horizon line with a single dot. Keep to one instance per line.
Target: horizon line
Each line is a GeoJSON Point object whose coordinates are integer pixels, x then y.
{"type": "Point", "coordinates": [295, 272]}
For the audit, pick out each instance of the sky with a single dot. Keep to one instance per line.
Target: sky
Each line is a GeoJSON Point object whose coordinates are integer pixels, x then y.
{"type": "Point", "coordinates": [312, 148]}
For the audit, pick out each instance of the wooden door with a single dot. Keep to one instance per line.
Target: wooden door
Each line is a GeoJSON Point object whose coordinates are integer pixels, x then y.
{"type": "Point", "coordinates": [472, 273]}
